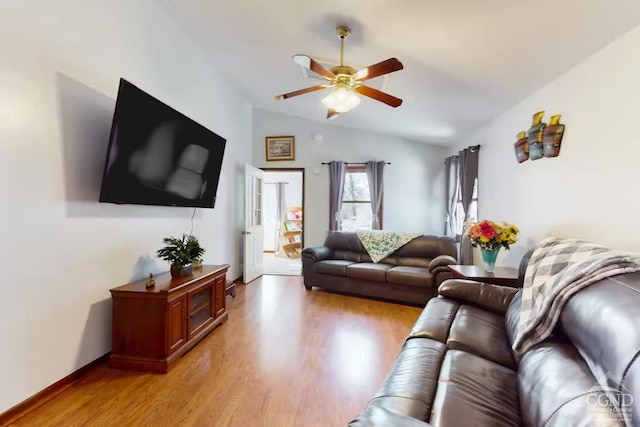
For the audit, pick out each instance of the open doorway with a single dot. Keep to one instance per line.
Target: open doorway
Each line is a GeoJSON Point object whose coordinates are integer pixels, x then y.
{"type": "Point", "coordinates": [283, 221]}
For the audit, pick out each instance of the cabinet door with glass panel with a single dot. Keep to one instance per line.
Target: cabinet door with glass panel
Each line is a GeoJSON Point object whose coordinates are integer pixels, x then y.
{"type": "Point", "coordinates": [200, 303]}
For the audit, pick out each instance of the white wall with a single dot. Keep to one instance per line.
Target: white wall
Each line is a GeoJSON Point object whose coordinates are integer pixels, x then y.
{"type": "Point", "coordinates": [61, 250]}
{"type": "Point", "coordinates": [292, 198]}
{"type": "Point", "coordinates": [590, 190]}
{"type": "Point", "coordinates": [413, 186]}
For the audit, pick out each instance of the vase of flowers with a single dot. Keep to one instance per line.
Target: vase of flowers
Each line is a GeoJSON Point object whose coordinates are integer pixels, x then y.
{"type": "Point", "coordinates": [490, 237]}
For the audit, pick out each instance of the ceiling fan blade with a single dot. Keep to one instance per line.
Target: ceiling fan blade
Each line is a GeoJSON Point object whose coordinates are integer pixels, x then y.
{"type": "Point", "coordinates": [301, 92]}
{"type": "Point", "coordinates": [308, 63]}
{"type": "Point", "coordinates": [332, 114]}
{"type": "Point", "coordinates": [379, 96]}
{"type": "Point", "coordinates": [379, 69]}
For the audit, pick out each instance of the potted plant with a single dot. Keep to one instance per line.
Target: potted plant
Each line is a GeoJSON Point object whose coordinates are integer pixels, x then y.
{"type": "Point", "coordinates": [195, 251]}
{"type": "Point", "coordinates": [180, 254]}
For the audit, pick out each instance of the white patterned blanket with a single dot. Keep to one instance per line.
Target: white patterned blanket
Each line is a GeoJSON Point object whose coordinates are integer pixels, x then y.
{"type": "Point", "coordinates": [559, 268]}
{"type": "Point", "coordinates": [380, 244]}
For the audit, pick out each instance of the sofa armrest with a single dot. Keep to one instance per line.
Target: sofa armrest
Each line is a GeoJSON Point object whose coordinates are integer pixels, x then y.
{"type": "Point", "coordinates": [491, 297]}
{"type": "Point", "coordinates": [375, 416]}
{"type": "Point", "coordinates": [318, 253]}
{"type": "Point", "coordinates": [440, 263]}
{"type": "Point", "coordinates": [438, 267]}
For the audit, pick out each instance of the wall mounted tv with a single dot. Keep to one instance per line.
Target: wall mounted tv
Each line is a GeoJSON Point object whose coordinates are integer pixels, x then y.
{"type": "Point", "coordinates": [158, 156]}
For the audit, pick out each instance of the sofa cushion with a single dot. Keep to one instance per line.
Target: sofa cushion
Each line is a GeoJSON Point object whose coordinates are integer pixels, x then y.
{"type": "Point", "coordinates": [475, 391]}
{"type": "Point", "coordinates": [391, 260]}
{"type": "Point", "coordinates": [482, 333]}
{"type": "Point", "coordinates": [378, 416]}
{"type": "Point", "coordinates": [602, 323]}
{"type": "Point", "coordinates": [411, 383]}
{"type": "Point", "coordinates": [557, 389]}
{"type": "Point", "coordinates": [512, 317]}
{"type": "Point", "coordinates": [344, 245]}
{"type": "Point", "coordinates": [334, 267]}
{"type": "Point", "coordinates": [368, 271]}
{"type": "Point", "coordinates": [414, 261]}
{"type": "Point", "coordinates": [410, 276]}
{"type": "Point", "coordinates": [420, 251]}
{"type": "Point", "coordinates": [435, 320]}
{"type": "Point", "coordinates": [347, 255]}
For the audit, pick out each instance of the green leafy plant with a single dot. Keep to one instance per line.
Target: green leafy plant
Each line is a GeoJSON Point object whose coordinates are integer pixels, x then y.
{"type": "Point", "coordinates": [181, 252]}
{"type": "Point", "coordinates": [194, 249]}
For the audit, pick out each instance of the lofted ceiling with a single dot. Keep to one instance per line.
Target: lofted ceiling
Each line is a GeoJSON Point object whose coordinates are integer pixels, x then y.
{"type": "Point", "coordinates": [465, 61]}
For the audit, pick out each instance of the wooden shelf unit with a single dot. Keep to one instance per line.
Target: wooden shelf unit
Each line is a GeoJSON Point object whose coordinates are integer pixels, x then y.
{"type": "Point", "coordinates": [153, 327]}
{"type": "Point", "coordinates": [291, 236]}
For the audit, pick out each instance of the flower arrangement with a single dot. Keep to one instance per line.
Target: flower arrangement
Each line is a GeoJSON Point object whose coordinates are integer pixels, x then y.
{"type": "Point", "coordinates": [491, 236]}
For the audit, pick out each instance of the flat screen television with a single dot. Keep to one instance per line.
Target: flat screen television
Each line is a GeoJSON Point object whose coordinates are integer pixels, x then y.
{"type": "Point", "coordinates": [158, 156]}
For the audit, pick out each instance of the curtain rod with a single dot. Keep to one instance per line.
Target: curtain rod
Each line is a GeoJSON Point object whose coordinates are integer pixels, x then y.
{"type": "Point", "coordinates": [355, 163]}
{"type": "Point", "coordinates": [472, 148]}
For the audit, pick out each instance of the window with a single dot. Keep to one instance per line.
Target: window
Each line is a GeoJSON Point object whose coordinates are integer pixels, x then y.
{"type": "Point", "coordinates": [356, 201]}
{"type": "Point", "coordinates": [458, 212]}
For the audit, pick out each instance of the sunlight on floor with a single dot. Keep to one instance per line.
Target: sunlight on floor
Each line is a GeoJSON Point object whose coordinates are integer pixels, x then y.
{"type": "Point", "coordinates": [354, 351]}
{"type": "Point", "coordinates": [285, 266]}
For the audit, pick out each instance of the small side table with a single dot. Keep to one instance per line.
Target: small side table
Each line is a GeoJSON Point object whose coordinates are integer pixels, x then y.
{"type": "Point", "coordinates": [505, 276]}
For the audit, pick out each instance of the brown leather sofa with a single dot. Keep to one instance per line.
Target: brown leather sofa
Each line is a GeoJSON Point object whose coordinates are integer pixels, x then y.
{"type": "Point", "coordinates": [409, 275]}
{"type": "Point", "coordinates": [456, 367]}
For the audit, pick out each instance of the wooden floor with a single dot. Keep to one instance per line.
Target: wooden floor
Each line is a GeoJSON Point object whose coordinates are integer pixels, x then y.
{"type": "Point", "coordinates": [286, 357]}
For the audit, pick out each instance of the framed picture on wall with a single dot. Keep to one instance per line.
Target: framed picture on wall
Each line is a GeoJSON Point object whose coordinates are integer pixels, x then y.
{"type": "Point", "coordinates": [279, 148]}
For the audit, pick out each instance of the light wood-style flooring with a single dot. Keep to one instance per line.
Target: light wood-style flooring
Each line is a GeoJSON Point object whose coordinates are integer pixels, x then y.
{"type": "Point", "coordinates": [286, 357]}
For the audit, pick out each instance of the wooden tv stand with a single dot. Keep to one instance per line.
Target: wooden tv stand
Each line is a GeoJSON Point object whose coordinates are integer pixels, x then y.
{"type": "Point", "coordinates": [153, 327]}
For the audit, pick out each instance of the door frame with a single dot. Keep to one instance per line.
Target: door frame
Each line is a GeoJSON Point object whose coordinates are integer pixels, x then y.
{"type": "Point", "coordinates": [251, 229]}
{"type": "Point", "coordinates": [304, 209]}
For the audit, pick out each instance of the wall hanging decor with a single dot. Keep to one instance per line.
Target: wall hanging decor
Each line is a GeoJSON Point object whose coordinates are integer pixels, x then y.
{"type": "Point", "coordinates": [522, 147]}
{"type": "Point", "coordinates": [541, 140]}
{"type": "Point", "coordinates": [552, 139]}
{"type": "Point", "coordinates": [280, 148]}
{"type": "Point", "coordinates": [535, 135]}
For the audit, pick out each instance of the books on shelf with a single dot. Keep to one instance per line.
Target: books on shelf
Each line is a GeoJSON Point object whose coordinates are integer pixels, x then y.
{"type": "Point", "coordinates": [291, 233]}
{"type": "Point", "coordinates": [292, 226]}
{"type": "Point", "coordinates": [294, 239]}
{"type": "Point", "coordinates": [293, 253]}
{"type": "Point", "coordinates": [294, 215]}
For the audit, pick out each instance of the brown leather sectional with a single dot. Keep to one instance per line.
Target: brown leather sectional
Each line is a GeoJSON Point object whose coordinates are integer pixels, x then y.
{"type": "Point", "coordinates": [456, 367]}
{"type": "Point", "coordinates": [410, 275]}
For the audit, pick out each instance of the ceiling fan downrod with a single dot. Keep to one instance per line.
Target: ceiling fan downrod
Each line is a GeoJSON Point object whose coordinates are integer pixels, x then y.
{"type": "Point", "coordinates": [343, 32]}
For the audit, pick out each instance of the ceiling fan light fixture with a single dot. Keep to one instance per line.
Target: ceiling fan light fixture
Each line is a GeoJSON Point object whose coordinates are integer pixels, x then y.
{"type": "Point", "coordinates": [346, 81]}
{"type": "Point", "coordinates": [342, 99]}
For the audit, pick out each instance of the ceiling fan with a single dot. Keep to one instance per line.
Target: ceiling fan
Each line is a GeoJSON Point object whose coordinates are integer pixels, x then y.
{"type": "Point", "coordinates": [346, 81]}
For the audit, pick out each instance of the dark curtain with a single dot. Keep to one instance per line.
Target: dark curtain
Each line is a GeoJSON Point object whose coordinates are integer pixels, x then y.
{"type": "Point", "coordinates": [337, 171]}
{"type": "Point", "coordinates": [375, 172]}
{"type": "Point", "coordinates": [468, 173]}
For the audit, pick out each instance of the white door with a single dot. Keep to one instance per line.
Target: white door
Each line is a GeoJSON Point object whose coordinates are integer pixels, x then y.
{"type": "Point", "coordinates": [253, 227]}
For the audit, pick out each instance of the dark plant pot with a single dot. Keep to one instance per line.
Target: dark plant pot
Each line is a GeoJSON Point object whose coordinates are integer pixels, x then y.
{"type": "Point", "coordinates": [181, 270]}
